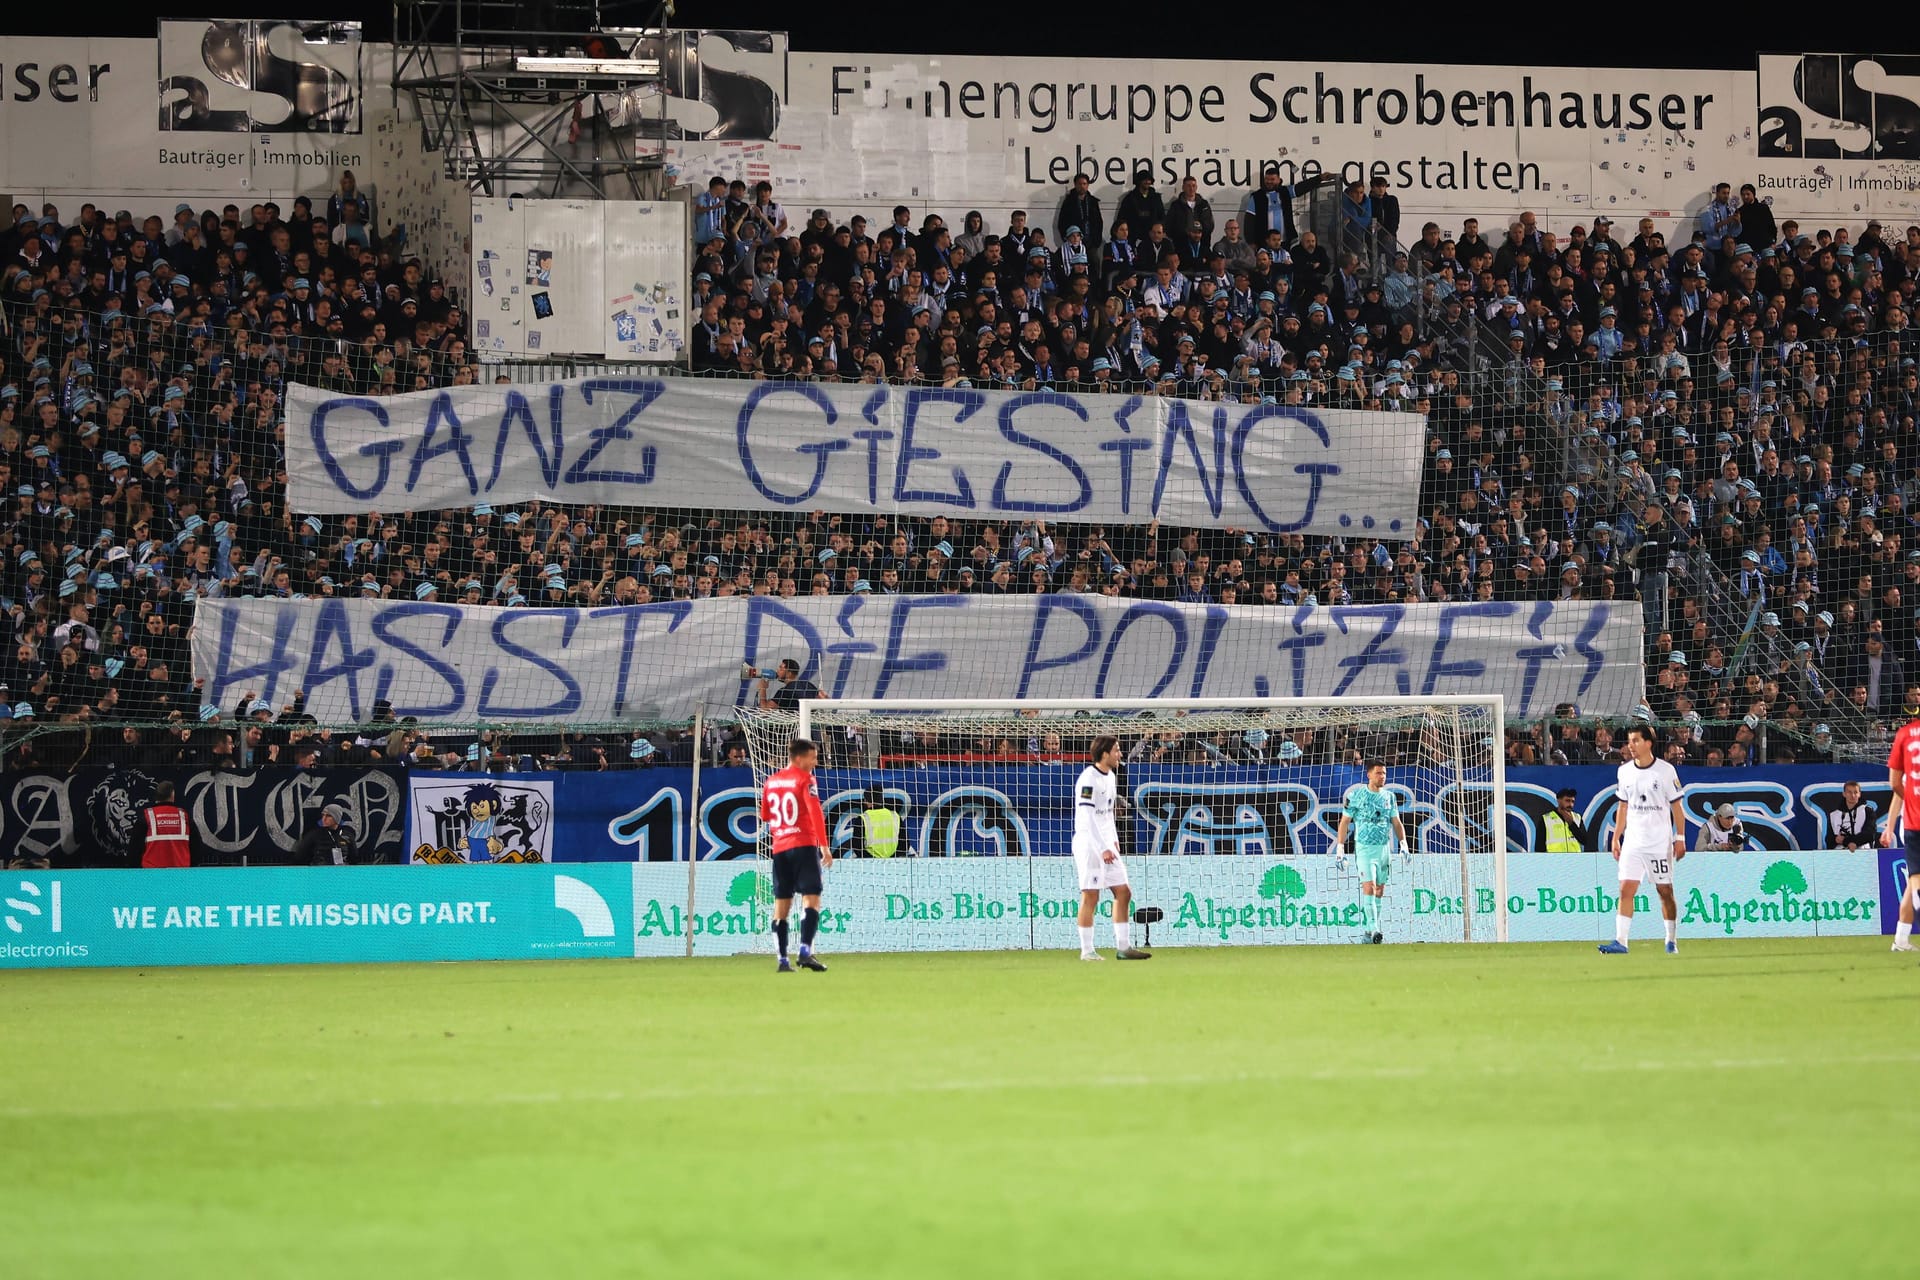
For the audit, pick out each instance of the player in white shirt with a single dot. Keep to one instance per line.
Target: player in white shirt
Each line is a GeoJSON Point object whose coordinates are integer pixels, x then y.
{"type": "Point", "coordinates": [1096, 851]}
{"type": "Point", "coordinates": [1649, 836]}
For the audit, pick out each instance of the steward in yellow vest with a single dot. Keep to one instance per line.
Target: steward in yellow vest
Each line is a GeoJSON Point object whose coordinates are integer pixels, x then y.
{"type": "Point", "coordinates": [879, 826]}
{"type": "Point", "coordinates": [1566, 833]}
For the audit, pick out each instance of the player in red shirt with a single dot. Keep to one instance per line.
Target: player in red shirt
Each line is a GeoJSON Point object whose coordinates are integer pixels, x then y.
{"type": "Point", "coordinates": [790, 810]}
{"type": "Point", "coordinates": [1903, 775]}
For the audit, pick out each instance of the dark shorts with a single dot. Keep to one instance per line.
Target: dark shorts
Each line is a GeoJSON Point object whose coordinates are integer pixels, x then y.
{"type": "Point", "coordinates": [1913, 849]}
{"type": "Point", "coordinates": [796, 871]}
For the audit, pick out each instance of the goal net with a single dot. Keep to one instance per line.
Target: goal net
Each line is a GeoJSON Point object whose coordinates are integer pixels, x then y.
{"type": "Point", "coordinates": [1227, 819]}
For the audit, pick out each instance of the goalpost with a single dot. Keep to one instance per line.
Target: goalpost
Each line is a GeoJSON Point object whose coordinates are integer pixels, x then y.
{"type": "Point", "coordinates": [1207, 784]}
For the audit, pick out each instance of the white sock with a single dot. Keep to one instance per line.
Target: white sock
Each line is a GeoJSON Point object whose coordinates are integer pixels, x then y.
{"type": "Point", "coordinates": [1903, 931]}
{"type": "Point", "coordinates": [1673, 930]}
{"type": "Point", "coordinates": [1622, 926]}
{"type": "Point", "coordinates": [1122, 934]}
{"type": "Point", "coordinates": [1086, 940]}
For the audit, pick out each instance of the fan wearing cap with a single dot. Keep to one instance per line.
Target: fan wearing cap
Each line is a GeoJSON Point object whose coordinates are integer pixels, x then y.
{"type": "Point", "coordinates": [328, 843]}
{"type": "Point", "coordinates": [1722, 833]}
{"type": "Point", "coordinates": [1903, 811]}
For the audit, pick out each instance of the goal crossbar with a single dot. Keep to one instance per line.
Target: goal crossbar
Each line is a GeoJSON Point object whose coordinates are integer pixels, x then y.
{"type": "Point", "coordinates": [1496, 702]}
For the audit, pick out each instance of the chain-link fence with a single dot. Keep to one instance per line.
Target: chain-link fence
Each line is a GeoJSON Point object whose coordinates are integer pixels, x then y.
{"type": "Point", "coordinates": [141, 424]}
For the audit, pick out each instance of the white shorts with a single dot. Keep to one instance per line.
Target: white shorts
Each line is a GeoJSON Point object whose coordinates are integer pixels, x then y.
{"type": "Point", "coordinates": [1647, 864]}
{"type": "Point", "coordinates": [1096, 874]}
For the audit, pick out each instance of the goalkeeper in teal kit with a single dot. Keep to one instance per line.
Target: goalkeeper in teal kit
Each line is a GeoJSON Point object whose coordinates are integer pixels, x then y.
{"type": "Point", "coordinates": [1372, 813]}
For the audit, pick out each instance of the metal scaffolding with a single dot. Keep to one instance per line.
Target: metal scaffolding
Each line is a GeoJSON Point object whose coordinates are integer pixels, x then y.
{"type": "Point", "coordinates": [542, 98]}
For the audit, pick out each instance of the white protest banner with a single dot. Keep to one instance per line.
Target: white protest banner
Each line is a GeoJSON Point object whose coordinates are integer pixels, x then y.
{"type": "Point", "coordinates": [855, 448]}
{"type": "Point", "coordinates": [473, 663]}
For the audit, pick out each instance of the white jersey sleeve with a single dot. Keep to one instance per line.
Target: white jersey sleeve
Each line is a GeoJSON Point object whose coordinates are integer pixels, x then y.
{"type": "Point", "coordinates": [1093, 796]}
{"type": "Point", "coordinates": [1649, 794]}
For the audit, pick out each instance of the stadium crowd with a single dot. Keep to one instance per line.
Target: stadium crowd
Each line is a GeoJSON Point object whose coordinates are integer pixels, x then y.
{"type": "Point", "coordinates": [1723, 428]}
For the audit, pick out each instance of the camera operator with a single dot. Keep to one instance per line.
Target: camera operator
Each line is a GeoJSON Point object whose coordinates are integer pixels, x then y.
{"type": "Point", "coordinates": [1722, 833]}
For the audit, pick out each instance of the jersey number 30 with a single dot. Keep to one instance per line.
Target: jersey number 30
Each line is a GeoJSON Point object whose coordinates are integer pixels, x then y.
{"type": "Point", "coordinates": [786, 809]}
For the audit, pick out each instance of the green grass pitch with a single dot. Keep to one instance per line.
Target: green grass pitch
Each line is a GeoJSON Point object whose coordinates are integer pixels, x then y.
{"type": "Point", "coordinates": [1743, 1109]}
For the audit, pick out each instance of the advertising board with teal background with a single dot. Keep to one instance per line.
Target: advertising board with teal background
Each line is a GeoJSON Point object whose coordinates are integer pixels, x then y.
{"type": "Point", "coordinates": [302, 915]}
{"type": "Point", "coordinates": [297, 915]}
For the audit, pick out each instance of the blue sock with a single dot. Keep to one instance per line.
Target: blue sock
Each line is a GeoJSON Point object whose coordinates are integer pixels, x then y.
{"type": "Point", "coordinates": [780, 932]}
{"type": "Point", "coordinates": [809, 924]}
